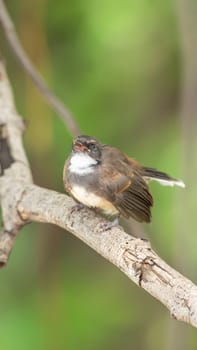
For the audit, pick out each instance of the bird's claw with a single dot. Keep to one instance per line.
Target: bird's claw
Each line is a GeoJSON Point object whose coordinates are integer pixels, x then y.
{"type": "Point", "coordinates": [77, 207]}
{"type": "Point", "coordinates": [107, 225]}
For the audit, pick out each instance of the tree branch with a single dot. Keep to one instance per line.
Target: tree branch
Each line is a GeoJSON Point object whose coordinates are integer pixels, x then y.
{"type": "Point", "coordinates": [22, 201]}
{"type": "Point", "coordinates": [27, 65]}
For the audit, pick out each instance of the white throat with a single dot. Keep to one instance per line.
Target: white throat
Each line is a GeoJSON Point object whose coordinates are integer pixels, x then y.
{"type": "Point", "coordinates": [81, 164]}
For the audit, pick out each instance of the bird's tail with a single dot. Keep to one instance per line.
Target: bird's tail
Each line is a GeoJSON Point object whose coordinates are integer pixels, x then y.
{"type": "Point", "coordinates": [163, 178]}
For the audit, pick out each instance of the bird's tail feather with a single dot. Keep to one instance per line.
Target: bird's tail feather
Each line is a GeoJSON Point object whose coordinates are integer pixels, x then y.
{"type": "Point", "coordinates": [163, 178]}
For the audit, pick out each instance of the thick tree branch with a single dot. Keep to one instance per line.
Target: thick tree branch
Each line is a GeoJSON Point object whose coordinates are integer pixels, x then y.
{"type": "Point", "coordinates": [52, 100]}
{"type": "Point", "coordinates": [22, 201]}
{"type": "Point", "coordinates": [132, 256]}
{"type": "Point", "coordinates": [15, 172]}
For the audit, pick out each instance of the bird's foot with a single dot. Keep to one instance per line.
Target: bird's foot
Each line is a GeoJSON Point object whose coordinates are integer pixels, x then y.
{"type": "Point", "coordinates": [107, 225]}
{"type": "Point", "coordinates": [77, 207]}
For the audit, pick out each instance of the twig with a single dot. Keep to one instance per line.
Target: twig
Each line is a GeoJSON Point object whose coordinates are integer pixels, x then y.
{"type": "Point", "coordinates": [36, 77]}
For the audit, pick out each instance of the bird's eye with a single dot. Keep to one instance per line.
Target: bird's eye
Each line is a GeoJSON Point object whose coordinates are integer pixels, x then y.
{"type": "Point", "coordinates": [92, 147]}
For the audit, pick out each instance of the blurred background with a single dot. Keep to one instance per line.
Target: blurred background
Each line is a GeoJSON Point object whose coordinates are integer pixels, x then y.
{"type": "Point", "coordinates": [128, 72]}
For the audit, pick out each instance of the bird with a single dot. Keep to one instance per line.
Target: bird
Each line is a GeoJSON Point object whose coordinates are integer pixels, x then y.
{"type": "Point", "coordinates": [103, 178]}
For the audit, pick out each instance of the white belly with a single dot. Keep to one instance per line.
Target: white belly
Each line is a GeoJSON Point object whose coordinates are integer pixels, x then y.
{"type": "Point", "coordinates": [91, 200]}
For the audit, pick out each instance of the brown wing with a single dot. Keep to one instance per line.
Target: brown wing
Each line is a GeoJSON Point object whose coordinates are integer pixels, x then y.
{"type": "Point", "coordinates": [135, 201]}
{"type": "Point", "coordinates": [127, 189]}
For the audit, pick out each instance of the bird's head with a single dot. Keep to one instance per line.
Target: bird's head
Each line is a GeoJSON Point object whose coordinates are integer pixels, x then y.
{"type": "Point", "coordinates": [86, 155]}
{"type": "Point", "coordinates": [87, 145]}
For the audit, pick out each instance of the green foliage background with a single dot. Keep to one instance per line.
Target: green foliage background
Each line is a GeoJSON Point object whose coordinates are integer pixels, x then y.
{"type": "Point", "coordinates": [118, 66]}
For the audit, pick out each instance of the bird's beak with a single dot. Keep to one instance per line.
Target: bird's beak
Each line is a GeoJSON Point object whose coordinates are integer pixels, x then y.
{"type": "Point", "coordinates": [79, 147]}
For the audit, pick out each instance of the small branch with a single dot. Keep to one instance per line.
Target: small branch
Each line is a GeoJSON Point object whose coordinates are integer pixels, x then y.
{"type": "Point", "coordinates": [36, 77]}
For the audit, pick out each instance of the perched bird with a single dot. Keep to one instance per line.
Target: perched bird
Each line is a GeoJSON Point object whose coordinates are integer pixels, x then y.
{"type": "Point", "coordinates": [103, 178]}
